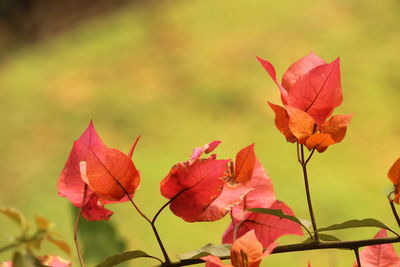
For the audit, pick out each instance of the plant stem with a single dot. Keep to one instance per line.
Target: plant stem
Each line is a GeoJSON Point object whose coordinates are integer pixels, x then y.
{"type": "Point", "coordinates": [394, 210]}
{"type": "Point", "coordinates": [78, 248]}
{"type": "Point", "coordinates": [303, 164]}
{"type": "Point", "coordinates": [151, 222]}
{"type": "Point", "coordinates": [351, 245]}
{"type": "Point", "coordinates": [357, 257]}
{"type": "Point", "coordinates": [9, 246]}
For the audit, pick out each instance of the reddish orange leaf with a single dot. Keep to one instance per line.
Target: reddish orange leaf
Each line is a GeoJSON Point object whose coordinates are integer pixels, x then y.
{"type": "Point", "coordinates": [282, 122]}
{"type": "Point", "coordinates": [379, 255]}
{"type": "Point", "coordinates": [301, 124]}
{"type": "Point", "coordinates": [111, 174]}
{"type": "Point", "coordinates": [319, 141]}
{"type": "Point", "coordinates": [336, 127]}
{"type": "Point", "coordinates": [244, 164]}
{"type": "Point", "coordinates": [299, 69]}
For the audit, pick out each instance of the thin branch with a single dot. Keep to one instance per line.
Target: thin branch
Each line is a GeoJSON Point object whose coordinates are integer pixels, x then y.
{"type": "Point", "coordinates": [309, 157]}
{"type": "Point", "coordinates": [307, 188]}
{"type": "Point", "coordinates": [9, 246]}
{"type": "Point", "coordinates": [357, 257]}
{"type": "Point", "coordinates": [153, 221]}
{"type": "Point", "coordinates": [78, 247]}
{"type": "Point", "coordinates": [394, 210]}
{"type": "Point", "coordinates": [351, 245]}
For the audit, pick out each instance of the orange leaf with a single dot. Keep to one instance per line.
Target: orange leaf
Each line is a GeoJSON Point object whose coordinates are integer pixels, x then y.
{"type": "Point", "coordinates": [394, 172]}
{"type": "Point", "coordinates": [301, 124]}
{"type": "Point", "coordinates": [244, 164]}
{"type": "Point", "coordinates": [282, 122]}
{"type": "Point", "coordinates": [394, 176]}
{"type": "Point", "coordinates": [247, 249]}
{"type": "Point", "coordinates": [319, 141]}
{"type": "Point", "coordinates": [108, 170]}
{"type": "Point", "coordinates": [336, 127]}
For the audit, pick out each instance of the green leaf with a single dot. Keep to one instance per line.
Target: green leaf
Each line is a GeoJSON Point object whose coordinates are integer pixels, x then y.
{"type": "Point", "coordinates": [209, 249]}
{"type": "Point", "coordinates": [126, 256]}
{"type": "Point", "coordinates": [16, 216]}
{"type": "Point", "coordinates": [356, 224]}
{"type": "Point", "coordinates": [324, 237]}
{"type": "Point", "coordinates": [25, 260]}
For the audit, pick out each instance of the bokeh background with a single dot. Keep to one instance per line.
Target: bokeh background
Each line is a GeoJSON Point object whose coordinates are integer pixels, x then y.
{"type": "Point", "coordinates": [183, 73]}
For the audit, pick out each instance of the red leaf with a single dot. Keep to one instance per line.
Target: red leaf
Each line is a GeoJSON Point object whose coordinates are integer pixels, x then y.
{"type": "Point", "coordinates": [263, 195]}
{"type": "Point", "coordinates": [299, 69]}
{"type": "Point", "coordinates": [394, 176]}
{"type": "Point", "coordinates": [244, 164]}
{"type": "Point", "coordinates": [282, 122]}
{"type": "Point", "coordinates": [379, 255]}
{"type": "Point", "coordinates": [193, 188]}
{"type": "Point", "coordinates": [108, 170]}
{"type": "Point", "coordinates": [301, 124]}
{"type": "Point", "coordinates": [271, 71]}
{"type": "Point", "coordinates": [202, 189]}
{"type": "Point", "coordinates": [95, 211]}
{"type": "Point", "coordinates": [318, 92]}
{"type": "Point", "coordinates": [70, 184]}
{"type": "Point", "coordinates": [267, 227]}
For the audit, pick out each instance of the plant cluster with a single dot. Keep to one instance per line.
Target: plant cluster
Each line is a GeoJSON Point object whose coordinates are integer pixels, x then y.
{"type": "Point", "coordinates": [207, 188]}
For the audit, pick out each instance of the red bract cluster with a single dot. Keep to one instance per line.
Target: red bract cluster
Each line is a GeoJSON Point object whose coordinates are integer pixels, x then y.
{"type": "Point", "coordinates": [95, 174]}
{"type": "Point", "coordinates": [205, 189]}
{"type": "Point", "coordinates": [310, 91]}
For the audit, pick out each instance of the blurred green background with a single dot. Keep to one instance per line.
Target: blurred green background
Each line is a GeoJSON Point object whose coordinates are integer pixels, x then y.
{"type": "Point", "coordinates": [183, 73]}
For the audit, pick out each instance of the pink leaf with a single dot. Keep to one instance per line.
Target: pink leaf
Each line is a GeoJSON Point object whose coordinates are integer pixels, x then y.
{"type": "Point", "coordinates": [263, 195]}
{"type": "Point", "coordinates": [299, 69]}
{"type": "Point", "coordinates": [267, 227]}
{"type": "Point", "coordinates": [379, 255]}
